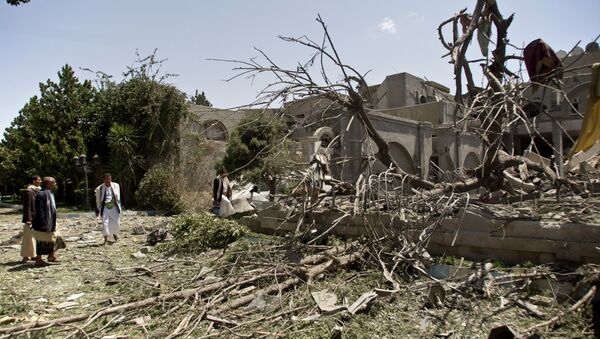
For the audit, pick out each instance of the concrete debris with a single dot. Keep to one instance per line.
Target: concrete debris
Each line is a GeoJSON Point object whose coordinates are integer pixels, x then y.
{"type": "Point", "coordinates": [75, 296]}
{"type": "Point", "coordinates": [156, 236]}
{"type": "Point", "coordinates": [362, 302]}
{"type": "Point", "coordinates": [138, 230]}
{"type": "Point", "coordinates": [326, 302]}
{"type": "Point", "coordinates": [146, 249]}
{"type": "Point", "coordinates": [138, 255]}
{"type": "Point", "coordinates": [67, 305]}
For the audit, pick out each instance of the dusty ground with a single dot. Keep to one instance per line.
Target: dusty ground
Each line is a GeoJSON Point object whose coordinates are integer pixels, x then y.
{"type": "Point", "coordinates": [91, 277]}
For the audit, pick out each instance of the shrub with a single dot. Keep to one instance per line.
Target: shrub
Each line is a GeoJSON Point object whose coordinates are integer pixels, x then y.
{"type": "Point", "coordinates": [198, 232]}
{"type": "Point", "coordinates": [159, 191]}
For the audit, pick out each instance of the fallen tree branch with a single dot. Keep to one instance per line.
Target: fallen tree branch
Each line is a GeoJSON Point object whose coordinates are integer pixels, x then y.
{"type": "Point", "coordinates": [554, 320]}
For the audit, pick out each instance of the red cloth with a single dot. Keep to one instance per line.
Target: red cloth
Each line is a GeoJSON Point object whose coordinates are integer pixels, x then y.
{"type": "Point", "coordinates": [540, 61]}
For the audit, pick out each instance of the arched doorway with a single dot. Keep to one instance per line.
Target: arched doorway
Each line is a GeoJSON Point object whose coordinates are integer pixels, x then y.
{"type": "Point", "coordinates": [471, 160]}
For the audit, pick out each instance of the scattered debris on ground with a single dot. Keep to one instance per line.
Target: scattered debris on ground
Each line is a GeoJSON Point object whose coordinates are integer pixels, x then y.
{"type": "Point", "coordinates": [255, 287]}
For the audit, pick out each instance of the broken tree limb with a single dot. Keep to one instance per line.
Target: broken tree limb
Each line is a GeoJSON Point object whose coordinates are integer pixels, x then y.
{"type": "Point", "coordinates": [39, 325]}
{"type": "Point", "coordinates": [554, 320]}
{"type": "Point", "coordinates": [306, 273]}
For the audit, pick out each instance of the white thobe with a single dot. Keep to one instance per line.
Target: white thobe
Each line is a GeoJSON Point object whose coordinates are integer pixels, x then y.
{"type": "Point", "coordinates": [110, 216]}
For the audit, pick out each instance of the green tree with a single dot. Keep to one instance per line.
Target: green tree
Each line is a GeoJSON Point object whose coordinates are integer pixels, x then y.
{"type": "Point", "coordinates": [258, 151]}
{"type": "Point", "coordinates": [160, 190]}
{"type": "Point", "coordinates": [16, 2]}
{"type": "Point", "coordinates": [51, 129]}
{"type": "Point", "coordinates": [141, 115]}
{"type": "Point", "coordinates": [8, 169]}
{"type": "Point", "coordinates": [200, 99]}
{"type": "Point", "coordinates": [123, 143]}
{"type": "Point", "coordinates": [152, 108]}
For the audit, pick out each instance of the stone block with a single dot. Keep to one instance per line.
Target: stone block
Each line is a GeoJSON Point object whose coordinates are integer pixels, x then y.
{"type": "Point", "coordinates": [471, 221]}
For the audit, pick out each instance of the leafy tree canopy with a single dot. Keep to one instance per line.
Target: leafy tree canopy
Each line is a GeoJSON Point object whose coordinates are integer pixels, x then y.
{"type": "Point", "coordinates": [258, 150]}
{"type": "Point", "coordinates": [200, 99]}
{"type": "Point", "coordinates": [16, 2]}
{"type": "Point", "coordinates": [51, 129]}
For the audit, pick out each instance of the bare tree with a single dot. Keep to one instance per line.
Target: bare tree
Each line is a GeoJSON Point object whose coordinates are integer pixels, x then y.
{"type": "Point", "coordinates": [491, 104]}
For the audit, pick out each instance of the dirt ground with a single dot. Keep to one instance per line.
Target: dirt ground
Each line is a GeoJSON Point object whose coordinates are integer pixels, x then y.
{"type": "Point", "coordinates": [92, 277]}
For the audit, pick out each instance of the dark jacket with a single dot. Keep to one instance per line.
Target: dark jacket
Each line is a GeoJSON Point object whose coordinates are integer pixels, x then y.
{"type": "Point", "coordinates": [218, 184]}
{"type": "Point", "coordinates": [217, 190]}
{"type": "Point", "coordinates": [45, 214]}
{"type": "Point", "coordinates": [29, 204]}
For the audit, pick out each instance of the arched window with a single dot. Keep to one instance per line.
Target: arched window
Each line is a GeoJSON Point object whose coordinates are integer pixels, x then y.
{"type": "Point", "coordinates": [402, 158]}
{"type": "Point", "coordinates": [325, 135]}
{"type": "Point", "coordinates": [215, 130]}
{"type": "Point", "coordinates": [534, 108]}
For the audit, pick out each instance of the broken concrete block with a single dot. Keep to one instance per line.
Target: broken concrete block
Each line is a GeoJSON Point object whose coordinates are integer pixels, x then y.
{"type": "Point", "coordinates": [327, 302]}
{"type": "Point", "coordinates": [138, 230]}
{"type": "Point", "coordinates": [138, 255]}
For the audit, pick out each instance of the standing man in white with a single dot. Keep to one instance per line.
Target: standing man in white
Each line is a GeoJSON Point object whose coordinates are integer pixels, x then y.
{"type": "Point", "coordinates": [108, 205]}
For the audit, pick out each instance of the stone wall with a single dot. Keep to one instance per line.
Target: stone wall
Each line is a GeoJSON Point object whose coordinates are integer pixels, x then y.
{"type": "Point", "coordinates": [474, 236]}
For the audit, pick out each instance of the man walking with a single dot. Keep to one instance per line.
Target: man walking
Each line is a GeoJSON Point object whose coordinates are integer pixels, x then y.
{"type": "Point", "coordinates": [27, 244]}
{"type": "Point", "coordinates": [44, 222]}
{"type": "Point", "coordinates": [108, 206]}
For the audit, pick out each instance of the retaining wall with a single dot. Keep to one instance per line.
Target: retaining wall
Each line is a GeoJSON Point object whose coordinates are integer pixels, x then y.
{"type": "Point", "coordinates": [475, 237]}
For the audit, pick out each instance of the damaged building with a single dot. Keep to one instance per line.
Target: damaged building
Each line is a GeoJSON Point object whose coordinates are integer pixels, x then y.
{"type": "Point", "coordinates": [418, 121]}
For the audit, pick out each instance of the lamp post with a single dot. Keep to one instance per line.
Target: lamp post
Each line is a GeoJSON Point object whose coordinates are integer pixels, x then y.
{"type": "Point", "coordinates": [82, 164]}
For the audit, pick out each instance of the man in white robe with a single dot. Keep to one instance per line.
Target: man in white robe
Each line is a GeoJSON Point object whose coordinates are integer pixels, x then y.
{"type": "Point", "coordinates": [108, 206]}
{"type": "Point", "coordinates": [222, 194]}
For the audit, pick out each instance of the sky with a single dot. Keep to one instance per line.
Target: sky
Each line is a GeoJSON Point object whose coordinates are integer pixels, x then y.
{"type": "Point", "coordinates": [379, 37]}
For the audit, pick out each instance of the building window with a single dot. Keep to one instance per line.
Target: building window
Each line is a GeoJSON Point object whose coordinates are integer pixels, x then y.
{"type": "Point", "coordinates": [574, 106]}
{"type": "Point", "coordinates": [215, 130]}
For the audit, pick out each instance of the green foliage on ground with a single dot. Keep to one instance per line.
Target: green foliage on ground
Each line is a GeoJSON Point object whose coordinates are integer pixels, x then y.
{"type": "Point", "coordinates": [158, 190]}
{"type": "Point", "coordinates": [198, 232]}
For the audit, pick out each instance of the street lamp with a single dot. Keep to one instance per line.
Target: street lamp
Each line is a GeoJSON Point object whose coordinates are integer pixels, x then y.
{"type": "Point", "coordinates": [82, 164]}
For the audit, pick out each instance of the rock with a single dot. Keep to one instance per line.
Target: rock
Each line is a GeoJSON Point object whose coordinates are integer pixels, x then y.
{"type": "Point", "coordinates": [146, 249]}
{"type": "Point", "coordinates": [75, 296]}
{"type": "Point", "coordinates": [156, 236]}
{"type": "Point", "coordinates": [138, 230]}
{"type": "Point", "coordinates": [138, 255]}
{"type": "Point", "coordinates": [326, 302]}
{"type": "Point", "coordinates": [67, 305]}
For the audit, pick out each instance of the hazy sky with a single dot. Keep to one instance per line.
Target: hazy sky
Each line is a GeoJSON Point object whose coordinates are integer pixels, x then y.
{"type": "Point", "coordinates": [386, 37]}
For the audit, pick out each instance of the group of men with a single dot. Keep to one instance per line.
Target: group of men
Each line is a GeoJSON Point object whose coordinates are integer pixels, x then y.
{"type": "Point", "coordinates": [39, 217]}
